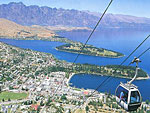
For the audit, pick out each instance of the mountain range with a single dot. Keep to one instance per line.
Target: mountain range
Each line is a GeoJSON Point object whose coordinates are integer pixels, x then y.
{"type": "Point", "coordinates": [46, 16]}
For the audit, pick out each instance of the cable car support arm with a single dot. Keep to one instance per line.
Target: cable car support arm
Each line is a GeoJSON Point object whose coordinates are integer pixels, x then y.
{"type": "Point", "coordinates": [136, 60]}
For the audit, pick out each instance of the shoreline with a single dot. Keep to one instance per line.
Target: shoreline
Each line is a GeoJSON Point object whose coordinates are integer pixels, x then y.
{"type": "Point", "coordinates": [68, 80]}
{"type": "Point", "coordinates": [143, 78]}
{"type": "Point", "coordinates": [139, 78]}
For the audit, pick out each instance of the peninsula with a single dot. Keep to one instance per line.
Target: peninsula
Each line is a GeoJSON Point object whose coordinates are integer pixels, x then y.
{"type": "Point", "coordinates": [89, 50]}
{"type": "Point", "coordinates": [111, 70]}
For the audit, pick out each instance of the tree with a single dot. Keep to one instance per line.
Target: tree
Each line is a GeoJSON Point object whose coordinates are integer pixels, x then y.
{"type": "Point", "coordinates": [87, 108]}
{"type": "Point", "coordinates": [41, 103]}
{"type": "Point", "coordinates": [25, 103]}
{"type": "Point", "coordinates": [147, 101]}
{"type": "Point", "coordinates": [9, 99]}
{"type": "Point", "coordinates": [37, 98]}
{"type": "Point", "coordinates": [0, 89]}
{"type": "Point", "coordinates": [79, 103]}
{"type": "Point", "coordinates": [38, 109]}
{"type": "Point", "coordinates": [67, 75]}
{"type": "Point", "coordinates": [3, 100]}
{"type": "Point", "coordinates": [49, 101]}
{"type": "Point", "coordinates": [69, 111]}
{"type": "Point", "coordinates": [63, 97]}
{"type": "Point", "coordinates": [145, 109]}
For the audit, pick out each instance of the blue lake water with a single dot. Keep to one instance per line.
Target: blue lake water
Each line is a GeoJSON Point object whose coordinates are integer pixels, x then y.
{"type": "Point", "coordinates": [121, 41]}
{"type": "Point", "coordinates": [93, 81]}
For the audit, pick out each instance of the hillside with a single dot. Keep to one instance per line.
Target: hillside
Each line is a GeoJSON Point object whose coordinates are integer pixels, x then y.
{"type": "Point", "coordinates": [35, 15]}
{"type": "Point", "coordinates": [11, 29]}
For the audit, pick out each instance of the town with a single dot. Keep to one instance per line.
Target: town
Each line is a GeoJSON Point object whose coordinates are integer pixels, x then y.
{"type": "Point", "coordinates": [32, 81]}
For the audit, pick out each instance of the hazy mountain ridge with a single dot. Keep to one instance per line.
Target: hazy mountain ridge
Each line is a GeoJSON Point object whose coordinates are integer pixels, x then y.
{"type": "Point", "coordinates": [35, 15]}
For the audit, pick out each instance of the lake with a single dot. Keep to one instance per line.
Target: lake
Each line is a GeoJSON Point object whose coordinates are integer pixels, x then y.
{"type": "Point", "coordinates": [117, 40]}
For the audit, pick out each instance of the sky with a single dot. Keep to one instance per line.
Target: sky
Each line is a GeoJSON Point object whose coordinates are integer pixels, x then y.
{"type": "Point", "coordinates": [138, 8]}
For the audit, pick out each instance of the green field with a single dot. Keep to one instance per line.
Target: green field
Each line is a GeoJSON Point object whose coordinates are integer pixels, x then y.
{"type": "Point", "coordinates": [12, 96]}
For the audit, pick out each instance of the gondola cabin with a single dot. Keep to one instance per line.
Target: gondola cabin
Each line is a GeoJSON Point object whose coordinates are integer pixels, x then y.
{"type": "Point", "coordinates": [128, 97]}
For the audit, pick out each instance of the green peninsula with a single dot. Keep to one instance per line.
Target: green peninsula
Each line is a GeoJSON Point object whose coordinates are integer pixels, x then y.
{"type": "Point", "coordinates": [89, 50]}
{"type": "Point", "coordinates": [110, 70]}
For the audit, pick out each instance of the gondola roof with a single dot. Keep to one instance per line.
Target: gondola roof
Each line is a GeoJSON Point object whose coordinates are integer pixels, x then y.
{"type": "Point", "coordinates": [128, 86]}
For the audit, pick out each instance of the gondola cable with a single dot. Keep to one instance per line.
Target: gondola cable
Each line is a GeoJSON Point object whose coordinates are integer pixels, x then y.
{"type": "Point", "coordinates": [86, 41]}
{"type": "Point", "coordinates": [109, 77]}
{"type": "Point", "coordinates": [93, 31]}
{"type": "Point", "coordinates": [135, 49]}
{"type": "Point", "coordinates": [126, 60]}
{"type": "Point", "coordinates": [143, 52]}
